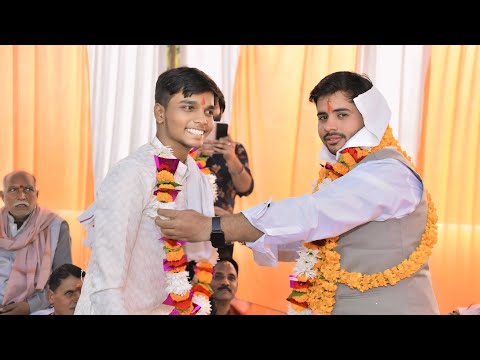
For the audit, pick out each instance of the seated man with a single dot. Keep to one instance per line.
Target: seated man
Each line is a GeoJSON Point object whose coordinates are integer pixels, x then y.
{"type": "Point", "coordinates": [64, 288]}
{"type": "Point", "coordinates": [33, 242]}
{"type": "Point", "coordinates": [224, 286]}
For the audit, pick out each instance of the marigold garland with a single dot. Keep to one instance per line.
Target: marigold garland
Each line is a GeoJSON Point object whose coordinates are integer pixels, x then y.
{"type": "Point", "coordinates": [202, 291]}
{"type": "Point", "coordinates": [200, 160]}
{"type": "Point", "coordinates": [318, 269]}
{"type": "Point", "coordinates": [202, 165]}
{"type": "Point", "coordinates": [175, 263]}
{"type": "Point", "coordinates": [185, 298]}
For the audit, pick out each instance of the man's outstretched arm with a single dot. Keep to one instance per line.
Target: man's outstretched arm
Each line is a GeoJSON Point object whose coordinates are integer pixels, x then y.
{"type": "Point", "coordinates": [192, 226]}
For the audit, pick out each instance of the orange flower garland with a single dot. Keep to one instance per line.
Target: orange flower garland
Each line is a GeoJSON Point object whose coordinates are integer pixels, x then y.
{"type": "Point", "coordinates": [175, 264]}
{"type": "Point", "coordinates": [203, 270]}
{"type": "Point", "coordinates": [185, 299]}
{"type": "Point", "coordinates": [319, 264]}
{"type": "Point", "coordinates": [204, 275]}
{"type": "Point", "coordinates": [200, 160]}
{"type": "Point", "coordinates": [202, 165]}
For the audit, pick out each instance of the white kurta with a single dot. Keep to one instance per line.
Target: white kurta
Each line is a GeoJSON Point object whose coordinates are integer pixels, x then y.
{"type": "Point", "coordinates": [125, 274]}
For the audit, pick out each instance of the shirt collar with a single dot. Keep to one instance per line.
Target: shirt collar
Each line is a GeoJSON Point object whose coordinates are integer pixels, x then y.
{"type": "Point", "coordinates": [13, 227]}
{"type": "Point", "coordinates": [157, 145]}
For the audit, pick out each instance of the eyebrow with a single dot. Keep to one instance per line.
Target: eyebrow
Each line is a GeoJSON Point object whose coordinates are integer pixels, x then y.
{"type": "Point", "coordinates": [334, 110]}
{"type": "Point", "coordinates": [225, 273]}
{"type": "Point", "coordinates": [194, 102]}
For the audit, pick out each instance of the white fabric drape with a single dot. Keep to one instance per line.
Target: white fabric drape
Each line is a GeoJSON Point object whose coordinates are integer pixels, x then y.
{"type": "Point", "coordinates": [217, 61]}
{"type": "Point", "coordinates": [398, 71]}
{"type": "Point", "coordinates": [122, 84]}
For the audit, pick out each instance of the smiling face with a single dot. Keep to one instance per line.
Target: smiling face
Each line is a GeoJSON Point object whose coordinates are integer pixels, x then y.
{"type": "Point", "coordinates": [185, 122]}
{"type": "Point", "coordinates": [338, 120]}
{"type": "Point", "coordinates": [19, 194]}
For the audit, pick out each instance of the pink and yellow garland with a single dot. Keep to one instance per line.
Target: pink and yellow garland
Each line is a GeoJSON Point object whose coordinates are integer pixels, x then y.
{"type": "Point", "coordinates": [181, 294]}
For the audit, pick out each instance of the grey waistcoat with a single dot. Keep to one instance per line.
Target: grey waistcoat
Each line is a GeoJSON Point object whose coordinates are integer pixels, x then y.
{"type": "Point", "coordinates": [380, 245]}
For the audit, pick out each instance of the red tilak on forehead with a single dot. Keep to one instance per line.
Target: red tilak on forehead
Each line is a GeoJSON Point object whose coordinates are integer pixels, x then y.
{"type": "Point", "coordinates": [203, 100]}
{"type": "Point", "coordinates": [329, 105]}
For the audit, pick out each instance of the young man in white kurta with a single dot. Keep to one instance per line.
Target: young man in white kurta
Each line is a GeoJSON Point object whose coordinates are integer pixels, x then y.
{"type": "Point", "coordinates": [125, 273]}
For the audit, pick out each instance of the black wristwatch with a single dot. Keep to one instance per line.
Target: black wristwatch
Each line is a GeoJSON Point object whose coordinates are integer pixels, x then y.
{"type": "Point", "coordinates": [217, 237]}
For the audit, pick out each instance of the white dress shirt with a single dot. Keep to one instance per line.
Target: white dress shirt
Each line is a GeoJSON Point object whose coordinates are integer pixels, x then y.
{"type": "Point", "coordinates": [7, 257]}
{"type": "Point", "coordinates": [375, 191]}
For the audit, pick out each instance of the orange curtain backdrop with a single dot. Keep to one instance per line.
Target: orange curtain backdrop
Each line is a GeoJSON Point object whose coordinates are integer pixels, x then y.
{"type": "Point", "coordinates": [272, 117]}
{"type": "Point", "coordinates": [450, 165]}
{"type": "Point", "coordinates": [45, 121]}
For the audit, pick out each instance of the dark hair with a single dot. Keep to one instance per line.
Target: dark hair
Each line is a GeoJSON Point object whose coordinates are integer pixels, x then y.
{"type": "Point", "coordinates": [63, 272]}
{"type": "Point", "coordinates": [221, 101]}
{"type": "Point", "coordinates": [221, 105]}
{"type": "Point", "coordinates": [350, 83]}
{"type": "Point", "coordinates": [235, 265]}
{"type": "Point", "coordinates": [187, 80]}
{"type": "Point", "coordinates": [231, 261]}
{"type": "Point", "coordinates": [191, 266]}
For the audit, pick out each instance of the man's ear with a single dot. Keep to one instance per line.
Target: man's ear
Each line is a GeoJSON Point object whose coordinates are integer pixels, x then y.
{"type": "Point", "coordinates": [159, 112]}
{"type": "Point", "coordinates": [38, 192]}
{"type": "Point", "coordinates": [50, 296]}
{"type": "Point", "coordinates": [2, 195]}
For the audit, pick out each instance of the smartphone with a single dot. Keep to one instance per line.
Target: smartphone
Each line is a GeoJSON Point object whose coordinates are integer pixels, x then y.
{"type": "Point", "coordinates": [222, 130]}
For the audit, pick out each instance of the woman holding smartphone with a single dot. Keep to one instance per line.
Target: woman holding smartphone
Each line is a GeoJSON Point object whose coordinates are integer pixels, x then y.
{"type": "Point", "coordinates": [228, 161]}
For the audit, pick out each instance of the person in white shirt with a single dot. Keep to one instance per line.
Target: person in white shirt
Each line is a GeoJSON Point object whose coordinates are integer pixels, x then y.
{"type": "Point", "coordinates": [362, 239]}
{"type": "Point", "coordinates": [128, 272]}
